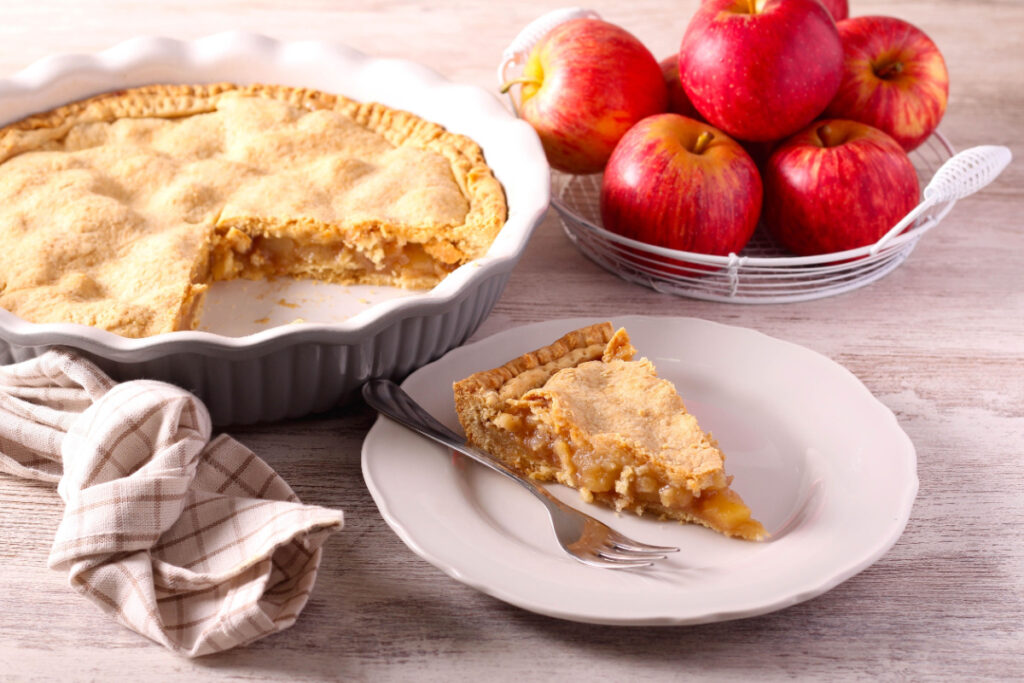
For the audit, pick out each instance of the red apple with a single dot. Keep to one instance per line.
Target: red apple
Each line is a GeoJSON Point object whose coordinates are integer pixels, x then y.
{"type": "Point", "coordinates": [680, 183]}
{"type": "Point", "coordinates": [761, 72]}
{"type": "Point", "coordinates": [837, 185]}
{"type": "Point", "coordinates": [839, 9]}
{"type": "Point", "coordinates": [678, 102]}
{"type": "Point", "coordinates": [584, 85]}
{"type": "Point", "coordinates": [894, 78]}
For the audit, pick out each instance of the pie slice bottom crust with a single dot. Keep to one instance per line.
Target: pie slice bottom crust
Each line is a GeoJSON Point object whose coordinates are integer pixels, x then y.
{"type": "Point", "coordinates": [582, 412]}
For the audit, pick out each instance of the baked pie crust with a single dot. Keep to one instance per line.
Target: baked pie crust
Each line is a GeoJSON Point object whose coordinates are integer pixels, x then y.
{"type": "Point", "coordinates": [119, 210]}
{"type": "Point", "coordinates": [583, 412]}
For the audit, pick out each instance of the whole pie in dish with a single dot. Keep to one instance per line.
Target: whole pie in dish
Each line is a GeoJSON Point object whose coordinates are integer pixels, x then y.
{"type": "Point", "coordinates": [118, 211]}
{"type": "Point", "coordinates": [583, 412]}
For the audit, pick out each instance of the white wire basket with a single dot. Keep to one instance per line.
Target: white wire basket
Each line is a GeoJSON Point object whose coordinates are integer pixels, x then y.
{"type": "Point", "coordinates": [764, 272]}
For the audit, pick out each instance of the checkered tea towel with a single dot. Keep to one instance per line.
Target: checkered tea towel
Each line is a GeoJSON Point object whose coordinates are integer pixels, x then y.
{"type": "Point", "coordinates": [196, 544]}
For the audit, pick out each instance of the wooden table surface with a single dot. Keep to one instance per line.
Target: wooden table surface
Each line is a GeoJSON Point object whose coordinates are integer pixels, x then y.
{"type": "Point", "coordinates": [940, 341]}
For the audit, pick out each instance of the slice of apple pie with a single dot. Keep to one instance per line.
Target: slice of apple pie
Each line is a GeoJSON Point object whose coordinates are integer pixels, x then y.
{"type": "Point", "coordinates": [583, 412]}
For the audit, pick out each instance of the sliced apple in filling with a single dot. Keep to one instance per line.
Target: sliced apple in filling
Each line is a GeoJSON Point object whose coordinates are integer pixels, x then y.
{"type": "Point", "coordinates": [584, 413]}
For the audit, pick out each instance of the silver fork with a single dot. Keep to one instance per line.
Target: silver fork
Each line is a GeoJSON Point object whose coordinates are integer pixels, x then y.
{"type": "Point", "coordinates": [583, 537]}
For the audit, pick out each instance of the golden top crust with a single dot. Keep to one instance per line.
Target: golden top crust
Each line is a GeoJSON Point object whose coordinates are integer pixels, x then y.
{"type": "Point", "coordinates": [108, 205]}
{"type": "Point", "coordinates": [622, 406]}
{"type": "Point", "coordinates": [533, 369]}
{"type": "Point", "coordinates": [487, 208]}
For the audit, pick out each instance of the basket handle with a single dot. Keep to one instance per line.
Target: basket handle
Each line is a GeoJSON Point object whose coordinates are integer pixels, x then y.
{"type": "Point", "coordinates": [962, 175]}
{"type": "Point", "coordinates": [533, 32]}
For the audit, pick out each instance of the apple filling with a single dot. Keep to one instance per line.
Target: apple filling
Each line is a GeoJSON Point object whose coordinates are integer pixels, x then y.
{"type": "Point", "coordinates": [245, 252]}
{"type": "Point", "coordinates": [191, 307]}
{"type": "Point", "coordinates": [237, 254]}
{"type": "Point", "coordinates": [621, 477]}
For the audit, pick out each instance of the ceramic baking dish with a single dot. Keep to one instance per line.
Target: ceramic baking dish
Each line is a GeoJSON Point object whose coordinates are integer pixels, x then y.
{"type": "Point", "coordinates": [273, 350]}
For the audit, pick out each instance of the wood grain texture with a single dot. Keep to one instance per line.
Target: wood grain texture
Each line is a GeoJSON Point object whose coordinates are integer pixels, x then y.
{"type": "Point", "coordinates": [940, 341]}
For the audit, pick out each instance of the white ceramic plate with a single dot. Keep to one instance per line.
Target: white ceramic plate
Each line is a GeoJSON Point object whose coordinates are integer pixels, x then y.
{"type": "Point", "coordinates": [823, 464]}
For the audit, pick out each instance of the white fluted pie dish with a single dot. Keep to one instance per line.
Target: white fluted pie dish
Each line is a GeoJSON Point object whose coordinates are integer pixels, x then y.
{"type": "Point", "coordinates": [285, 348]}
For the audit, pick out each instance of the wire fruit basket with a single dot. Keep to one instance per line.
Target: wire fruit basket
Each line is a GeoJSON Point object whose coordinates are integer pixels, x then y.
{"type": "Point", "coordinates": [764, 271]}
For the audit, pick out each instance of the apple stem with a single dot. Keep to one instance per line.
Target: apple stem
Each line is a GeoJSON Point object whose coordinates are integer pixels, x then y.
{"type": "Point", "coordinates": [825, 135]}
{"type": "Point", "coordinates": [703, 140]}
{"type": "Point", "coordinates": [507, 85]}
{"type": "Point", "coordinates": [890, 69]}
{"type": "Point", "coordinates": [752, 6]}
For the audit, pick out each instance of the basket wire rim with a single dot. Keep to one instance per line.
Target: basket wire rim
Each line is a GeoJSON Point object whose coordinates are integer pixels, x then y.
{"type": "Point", "coordinates": [911, 235]}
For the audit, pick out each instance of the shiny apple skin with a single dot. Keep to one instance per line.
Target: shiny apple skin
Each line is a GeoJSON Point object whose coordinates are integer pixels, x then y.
{"type": "Point", "coordinates": [909, 104]}
{"type": "Point", "coordinates": [596, 81]}
{"type": "Point", "coordinates": [839, 9]}
{"type": "Point", "coordinates": [823, 198]}
{"type": "Point", "coordinates": [656, 190]}
{"type": "Point", "coordinates": [678, 102]}
{"type": "Point", "coordinates": [762, 76]}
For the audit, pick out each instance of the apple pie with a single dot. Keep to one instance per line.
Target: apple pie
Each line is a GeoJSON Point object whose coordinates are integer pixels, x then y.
{"type": "Point", "coordinates": [584, 413]}
{"type": "Point", "coordinates": [118, 211]}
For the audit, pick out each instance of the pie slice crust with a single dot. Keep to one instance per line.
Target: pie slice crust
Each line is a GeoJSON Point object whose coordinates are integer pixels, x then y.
{"type": "Point", "coordinates": [118, 211]}
{"type": "Point", "coordinates": [583, 412]}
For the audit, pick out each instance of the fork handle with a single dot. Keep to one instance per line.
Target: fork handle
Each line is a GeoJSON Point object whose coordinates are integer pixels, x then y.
{"type": "Point", "coordinates": [389, 399]}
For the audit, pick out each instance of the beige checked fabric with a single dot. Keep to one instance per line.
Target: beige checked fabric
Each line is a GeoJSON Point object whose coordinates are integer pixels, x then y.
{"type": "Point", "coordinates": [196, 544]}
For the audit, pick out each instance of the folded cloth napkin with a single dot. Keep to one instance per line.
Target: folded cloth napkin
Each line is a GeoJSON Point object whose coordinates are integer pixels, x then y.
{"type": "Point", "coordinates": [196, 544]}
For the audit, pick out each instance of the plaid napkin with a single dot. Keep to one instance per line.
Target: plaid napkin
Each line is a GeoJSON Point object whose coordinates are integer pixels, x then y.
{"type": "Point", "coordinates": [196, 544]}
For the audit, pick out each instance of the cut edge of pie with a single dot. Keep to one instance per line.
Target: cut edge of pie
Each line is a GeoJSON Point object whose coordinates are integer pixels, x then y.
{"type": "Point", "coordinates": [372, 252]}
{"type": "Point", "coordinates": [582, 412]}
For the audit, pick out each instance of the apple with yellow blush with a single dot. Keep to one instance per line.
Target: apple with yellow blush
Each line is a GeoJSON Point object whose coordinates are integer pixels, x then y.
{"type": "Point", "coordinates": [894, 78]}
{"type": "Point", "coordinates": [584, 84]}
